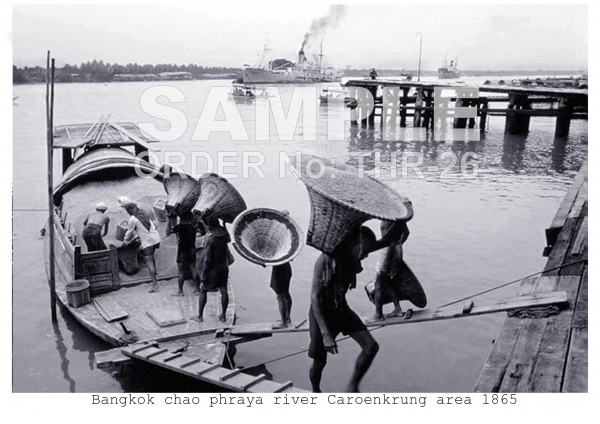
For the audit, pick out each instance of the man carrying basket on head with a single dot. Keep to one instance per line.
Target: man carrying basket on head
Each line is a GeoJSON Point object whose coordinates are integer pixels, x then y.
{"type": "Point", "coordinates": [186, 247]}
{"type": "Point", "coordinates": [212, 266]}
{"type": "Point", "coordinates": [329, 313]}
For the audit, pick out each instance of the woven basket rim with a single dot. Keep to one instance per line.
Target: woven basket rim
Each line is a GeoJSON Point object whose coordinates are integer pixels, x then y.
{"type": "Point", "coordinates": [404, 202]}
{"type": "Point", "coordinates": [288, 220]}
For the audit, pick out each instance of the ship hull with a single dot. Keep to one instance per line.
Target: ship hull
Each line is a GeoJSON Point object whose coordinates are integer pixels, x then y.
{"type": "Point", "coordinates": [264, 76]}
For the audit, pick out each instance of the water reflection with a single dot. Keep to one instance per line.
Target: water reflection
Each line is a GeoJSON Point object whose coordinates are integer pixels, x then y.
{"type": "Point", "coordinates": [559, 152]}
{"type": "Point", "coordinates": [513, 151]}
{"type": "Point", "coordinates": [62, 353]}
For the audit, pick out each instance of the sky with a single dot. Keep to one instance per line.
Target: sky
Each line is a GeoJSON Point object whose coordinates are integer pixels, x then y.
{"type": "Point", "coordinates": [226, 34]}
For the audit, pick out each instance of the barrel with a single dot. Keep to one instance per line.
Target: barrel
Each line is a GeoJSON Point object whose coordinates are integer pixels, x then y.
{"type": "Point", "coordinates": [121, 230]}
{"type": "Point", "coordinates": [78, 293]}
{"type": "Point", "coordinates": [160, 210]}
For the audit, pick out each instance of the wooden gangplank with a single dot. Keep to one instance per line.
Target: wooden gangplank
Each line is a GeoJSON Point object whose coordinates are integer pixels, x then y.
{"type": "Point", "coordinates": [450, 312]}
{"type": "Point", "coordinates": [549, 353]}
{"type": "Point", "coordinates": [206, 371]}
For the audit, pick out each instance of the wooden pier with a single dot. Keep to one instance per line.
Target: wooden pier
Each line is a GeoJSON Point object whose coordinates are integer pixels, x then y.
{"type": "Point", "coordinates": [546, 350]}
{"type": "Point", "coordinates": [394, 100]}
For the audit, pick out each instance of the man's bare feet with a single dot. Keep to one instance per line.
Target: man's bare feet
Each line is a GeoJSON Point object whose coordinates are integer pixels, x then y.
{"type": "Point", "coordinates": [153, 289]}
{"type": "Point", "coordinates": [278, 324]}
{"type": "Point", "coordinates": [199, 319]}
{"type": "Point", "coordinates": [408, 314]}
{"type": "Point", "coordinates": [395, 313]}
{"type": "Point", "coordinates": [289, 321]}
{"type": "Point", "coordinates": [375, 318]}
{"type": "Point", "coordinates": [178, 293]}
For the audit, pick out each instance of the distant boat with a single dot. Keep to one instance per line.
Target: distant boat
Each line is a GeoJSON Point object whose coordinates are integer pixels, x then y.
{"type": "Point", "coordinates": [15, 98]}
{"type": "Point", "coordinates": [246, 92]}
{"type": "Point", "coordinates": [449, 71]}
{"type": "Point", "coordinates": [332, 95]}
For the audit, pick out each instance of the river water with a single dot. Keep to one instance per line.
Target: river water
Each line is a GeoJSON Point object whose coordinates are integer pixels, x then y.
{"type": "Point", "coordinates": [467, 235]}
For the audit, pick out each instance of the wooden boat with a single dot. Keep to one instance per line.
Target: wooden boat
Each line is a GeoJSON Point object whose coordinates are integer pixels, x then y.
{"type": "Point", "coordinates": [98, 164]}
{"type": "Point", "coordinates": [245, 92]}
{"type": "Point", "coordinates": [332, 95]}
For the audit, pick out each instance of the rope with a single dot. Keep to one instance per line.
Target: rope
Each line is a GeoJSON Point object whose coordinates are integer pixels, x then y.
{"type": "Point", "coordinates": [512, 282]}
{"type": "Point", "coordinates": [298, 352]}
{"type": "Point", "coordinates": [537, 312]}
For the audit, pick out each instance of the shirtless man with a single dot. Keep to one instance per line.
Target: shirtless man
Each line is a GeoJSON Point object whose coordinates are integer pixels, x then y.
{"type": "Point", "coordinates": [186, 247]}
{"type": "Point", "coordinates": [93, 225]}
{"type": "Point", "coordinates": [212, 267]}
{"type": "Point", "coordinates": [330, 313]}
{"type": "Point", "coordinates": [280, 284]}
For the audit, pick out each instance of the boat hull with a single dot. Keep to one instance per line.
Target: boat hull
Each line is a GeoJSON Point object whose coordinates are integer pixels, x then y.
{"type": "Point", "coordinates": [86, 183]}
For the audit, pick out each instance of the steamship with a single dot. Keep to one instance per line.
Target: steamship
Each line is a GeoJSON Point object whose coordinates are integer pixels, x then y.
{"type": "Point", "coordinates": [283, 71]}
{"type": "Point", "coordinates": [449, 71]}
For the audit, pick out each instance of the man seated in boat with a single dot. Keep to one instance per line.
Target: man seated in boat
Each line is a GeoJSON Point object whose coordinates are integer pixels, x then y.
{"type": "Point", "coordinates": [330, 314]}
{"type": "Point", "coordinates": [212, 266]}
{"type": "Point", "coordinates": [142, 226]}
{"type": "Point", "coordinates": [93, 225]}
{"type": "Point", "coordinates": [186, 247]}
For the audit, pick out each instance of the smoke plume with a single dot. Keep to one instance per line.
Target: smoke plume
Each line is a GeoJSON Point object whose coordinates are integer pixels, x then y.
{"type": "Point", "coordinates": [320, 26]}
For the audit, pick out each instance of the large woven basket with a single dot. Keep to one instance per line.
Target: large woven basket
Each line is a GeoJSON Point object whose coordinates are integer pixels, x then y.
{"type": "Point", "coordinates": [341, 200]}
{"type": "Point", "coordinates": [218, 199]}
{"type": "Point", "coordinates": [267, 236]}
{"type": "Point", "coordinates": [183, 192]}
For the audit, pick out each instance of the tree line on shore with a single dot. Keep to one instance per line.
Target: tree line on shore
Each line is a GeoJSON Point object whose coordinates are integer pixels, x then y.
{"type": "Point", "coordinates": [98, 71]}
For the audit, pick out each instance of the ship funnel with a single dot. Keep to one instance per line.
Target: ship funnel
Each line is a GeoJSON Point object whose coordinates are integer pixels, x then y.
{"type": "Point", "coordinates": [301, 56]}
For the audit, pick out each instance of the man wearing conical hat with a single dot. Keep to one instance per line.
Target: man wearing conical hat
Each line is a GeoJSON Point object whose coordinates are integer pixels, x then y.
{"type": "Point", "coordinates": [93, 225]}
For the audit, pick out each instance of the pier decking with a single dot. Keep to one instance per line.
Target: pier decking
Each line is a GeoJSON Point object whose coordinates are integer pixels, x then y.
{"type": "Point", "coordinates": [548, 351]}
{"type": "Point", "coordinates": [571, 103]}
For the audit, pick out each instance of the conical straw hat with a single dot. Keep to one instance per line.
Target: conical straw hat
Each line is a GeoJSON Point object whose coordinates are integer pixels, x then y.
{"type": "Point", "coordinates": [218, 199]}
{"type": "Point", "coordinates": [183, 192]}
{"type": "Point", "coordinates": [267, 236]}
{"type": "Point", "coordinates": [341, 200]}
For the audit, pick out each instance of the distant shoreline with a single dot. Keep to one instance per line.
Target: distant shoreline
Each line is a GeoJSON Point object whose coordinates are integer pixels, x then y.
{"type": "Point", "coordinates": [39, 77]}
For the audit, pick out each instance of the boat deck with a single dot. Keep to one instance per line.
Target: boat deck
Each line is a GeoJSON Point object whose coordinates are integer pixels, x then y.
{"type": "Point", "coordinates": [548, 351]}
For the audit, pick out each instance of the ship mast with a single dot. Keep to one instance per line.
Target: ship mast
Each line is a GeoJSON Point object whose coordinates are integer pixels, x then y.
{"type": "Point", "coordinates": [266, 50]}
{"type": "Point", "coordinates": [321, 57]}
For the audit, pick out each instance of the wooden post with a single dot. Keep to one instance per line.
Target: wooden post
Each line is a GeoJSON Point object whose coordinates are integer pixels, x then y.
{"type": "Point", "coordinates": [563, 120]}
{"type": "Point", "coordinates": [403, 102]}
{"type": "Point", "coordinates": [460, 122]}
{"type": "Point", "coordinates": [418, 104]}
{"type": "Point", "coordinates": [483, 107]}
{"type": "Point", "coordinates": [472, 103]}
{"type": "Point", "coordinates": [50, 142]}
{"type": "Point", "coordinates": [371, 119]}
{"type": "Point", "coordinates": [517, 123]}
{"type": "Point", "coordinates": [428, 114]}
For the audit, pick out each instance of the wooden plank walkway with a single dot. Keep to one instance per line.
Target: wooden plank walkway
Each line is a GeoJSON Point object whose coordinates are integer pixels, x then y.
{"type": "Point", "coordinates": [471, 308]}
{"type": "Point", "coordinates": [207, 371]}
{"type": "Point", "coordinates": [549, 353]}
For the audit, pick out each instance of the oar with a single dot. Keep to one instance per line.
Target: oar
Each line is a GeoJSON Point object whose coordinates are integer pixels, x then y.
{"type": "Point", "coordinates": [93, 126]}
{"type": "Point", "coordinates": [101, 129]}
